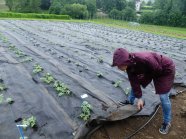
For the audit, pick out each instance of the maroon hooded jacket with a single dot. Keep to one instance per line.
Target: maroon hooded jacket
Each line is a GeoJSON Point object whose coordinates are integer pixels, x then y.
{"type": "Point", "coordinates": [143, 67]}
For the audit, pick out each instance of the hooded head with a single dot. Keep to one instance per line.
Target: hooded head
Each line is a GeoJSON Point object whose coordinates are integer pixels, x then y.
{"type": "Point", "coordinates": [120, 57]}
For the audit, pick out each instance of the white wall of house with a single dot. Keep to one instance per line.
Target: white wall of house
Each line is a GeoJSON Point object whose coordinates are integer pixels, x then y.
{"type": "Point", "coordinates": [138, 4]}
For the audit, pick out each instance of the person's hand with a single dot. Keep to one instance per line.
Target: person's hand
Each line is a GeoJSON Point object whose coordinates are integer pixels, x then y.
{"type": "Point", "coordinates": [140, 104]}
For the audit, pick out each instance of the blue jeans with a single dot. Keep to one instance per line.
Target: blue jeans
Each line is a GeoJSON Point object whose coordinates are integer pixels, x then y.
{"type": "Point", "coordinates": [165, 103]}
{"type": "Point", "coordinates": [131, 97]}
{"type": "Point", "coordinates": [166, 107]}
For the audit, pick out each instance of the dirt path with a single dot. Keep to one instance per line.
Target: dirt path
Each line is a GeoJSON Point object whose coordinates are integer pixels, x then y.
{"type": "Point", "coordinates": [122, 129]}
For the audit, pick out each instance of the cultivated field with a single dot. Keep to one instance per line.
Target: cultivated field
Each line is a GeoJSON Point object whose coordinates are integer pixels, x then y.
{"type": "Point", "coordinates": [50, 67]}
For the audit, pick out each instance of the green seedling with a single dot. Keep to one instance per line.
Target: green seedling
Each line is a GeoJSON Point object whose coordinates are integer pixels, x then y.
{"type": "Point", "coordinates": [27, 59]}
{"type": "Point", "coordinates": [12, 47]}
{"type": "Point", "coordinates": [178, 74]}
{"type": "Point", "coordinates": [19, 53]}
{"type": "Point", "coordinates": [99, 74]}
{"type": "Point", "coordinates": [48, 78]}
{"type": "Point", "coordinates": [30, 122]}
{"type": "Point", "coordinates": [100, 59]}
{"type": "Point", "coordinates": [9, 100]}
{"type": "Point", "coordinates": [77, 64]}
{"type": "Point", "coordinates": [5, 40]}
{"type": "Point", "coordinates": [117, 83]}
{"type": "Point", "coordinates": [86, 109]}
{"type": "Point", "coordinates": [61, 88]}
{"type": "Point", "coordinates": [69, 60]}
{"type": "Point", "coordinates": [37, 68]}
{"type": "Point", "coordinates": [2, 87]}
{"type": "Point", "coordinates": [1, 98]}
{"type": "Point", "coordinates": [127, 90]}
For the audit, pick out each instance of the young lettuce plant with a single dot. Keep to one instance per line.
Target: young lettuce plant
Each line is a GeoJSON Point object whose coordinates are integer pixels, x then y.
{"type": "Point", "coordinates": [61, 88]}
{"type": "Point", "coordinates": [127, 90]}
{"type": "Point", "coordinates": [86, 109]}
{"type": "Point", "coordinates": [27, 59]}
{"type": "Point", "coordinates": [1, 98]}
{"type": "Point", "coordinates": [30, 122]}
{"type": "Point", "coordinates": [2, 87]}
{"type": "Point", "coordinates": [99, 74]}
{"type": "Point", "coordinates": [100, 59]}
{"type": "Point", "coordinates": [117, 83]}
{"type": "Point", "coordinates": [37, 68]}
{"type": "Point", "coordinates": [48, 78]}
{"type": "Point", "coordinates": [9, 100]}
{"type": "Point", "coordinates": [12, 47]}
{"type": "Point", "coordinates": [19, 53]}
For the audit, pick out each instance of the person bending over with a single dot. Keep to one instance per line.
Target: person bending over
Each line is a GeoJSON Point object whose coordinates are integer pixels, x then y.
{"type": "Point", "coordinates": [142, 68]}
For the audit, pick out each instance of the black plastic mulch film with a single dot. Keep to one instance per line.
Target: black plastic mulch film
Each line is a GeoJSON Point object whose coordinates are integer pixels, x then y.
{"type": "Point", "coordinates": [78, 55]}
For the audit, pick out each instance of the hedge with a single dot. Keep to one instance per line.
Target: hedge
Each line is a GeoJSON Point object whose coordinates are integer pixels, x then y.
{"type": "Point", "coordinates": [33, 15]}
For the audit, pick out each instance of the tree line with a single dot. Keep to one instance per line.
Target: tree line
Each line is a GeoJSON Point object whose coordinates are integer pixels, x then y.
{"type": "Point", "coordinates": [165, 12]}
{"type": "Point", "coordinates": [80, 9]}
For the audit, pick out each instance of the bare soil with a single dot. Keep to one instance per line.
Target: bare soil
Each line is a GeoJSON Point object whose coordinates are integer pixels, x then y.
{"type": "Point", "coordinates": [122, 129]}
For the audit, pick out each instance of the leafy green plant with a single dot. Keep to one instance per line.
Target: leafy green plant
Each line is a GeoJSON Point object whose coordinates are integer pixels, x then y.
{"type": "Point", "coordinates": [9, 100]}
{"type": "Point", "coordinates": [48, 78]}
{"type": "Point", "coordinates": [77, 64]}
{"type": "Point", "coordinates": [29, 122]}
{"type": "Point", "coordinates": [69, 60]}
{"type": "Point", "coordinates": [37, 68]}
{"type": "Point", "coordinates": [86, 110]}
{"type": "Point", "coordinates": [19, 53]}
{"type": "Point", "coordinates": [61, 88]}
{"type": "Point", "coordinates": [2, 87]}
{"type": "Point", "coordinates": [99, 74]}
{"type": "Point", "coordinates": [5, 40]}
{"type": "Point", "coordinates": [12, 47]}
{"type": "Point", "coordinates": [117, 83]}
{"type": "Point", "coordinates": [178, 74]}
{"type": "Point", "coordinates": [100, 59]}
{"type": "Point", "coordinates": [1, 98]}
{"type": "Point", "coordinates": [27, 59]}
{"type": "Point", "coordinates": [127, 90]}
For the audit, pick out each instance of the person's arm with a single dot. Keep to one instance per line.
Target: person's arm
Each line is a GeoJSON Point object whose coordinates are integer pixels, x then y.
{"type": "Point", "coordinates": [136, 89]}
{"type": "Point", "coordinates": [135, 84]}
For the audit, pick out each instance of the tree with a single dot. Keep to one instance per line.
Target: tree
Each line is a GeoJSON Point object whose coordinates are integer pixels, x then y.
{"type": "Point", "coordinates": [45, 4]}
{"type": "Point", "coordinates": [175, 18]}
{"type": "Point", "coordinates": [34, 5]}
{"type": "Point", "coordinates": [55, 7]}
{"type": "Point", "coordinates": [121, 4]}
{"type": "Point", "coordinates": [149, 3]}
{"type": "Point", "coordinates": [27, 6]}
{"type": "Point", "coordinates": [115, 14]}
{"type": "Point", "coordinates": [131, 4]}
{"type": "Point", "coordinates": [91, 7]}
{"type": "Point", "coordinates": [9, 3]}
{"type": "Point", "coordinates": [147, 17]}
{"type": "Point", "coordinates": [108, 5]}
{"type": "Point", "coordinates": [77, 11]}
{"type": "Point", "coordinates": [128, 14]}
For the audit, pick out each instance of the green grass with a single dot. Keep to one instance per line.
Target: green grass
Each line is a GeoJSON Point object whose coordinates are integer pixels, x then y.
{"type": "Point", "coordinates": [175, 32]}
{"type": "Point", "coordinates": [32, 16]}
{"type": "Point", "coordinates": [146, 11]}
